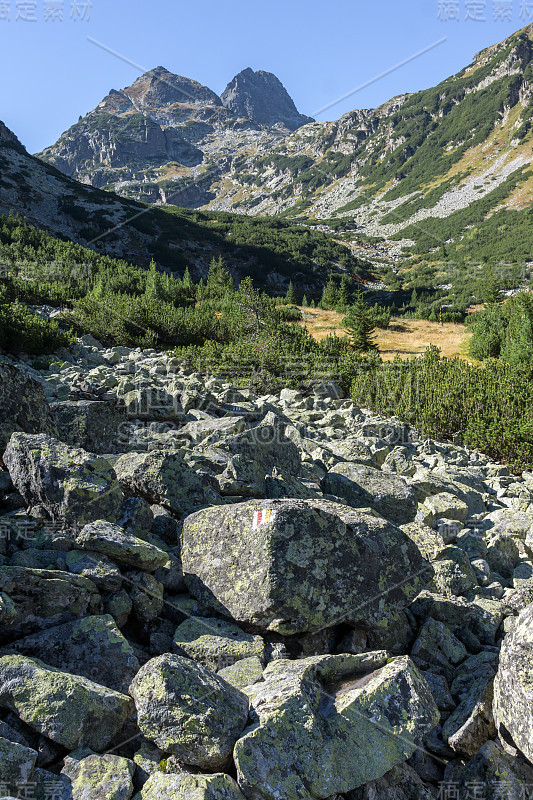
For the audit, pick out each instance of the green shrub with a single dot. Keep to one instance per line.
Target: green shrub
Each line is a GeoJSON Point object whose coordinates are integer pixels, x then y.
{"type": "Point", "coordinates": [22, 331]}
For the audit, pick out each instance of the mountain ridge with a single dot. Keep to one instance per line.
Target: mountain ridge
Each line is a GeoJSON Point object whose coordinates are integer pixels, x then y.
{"type": "Point", "coordinates": [146, 140]}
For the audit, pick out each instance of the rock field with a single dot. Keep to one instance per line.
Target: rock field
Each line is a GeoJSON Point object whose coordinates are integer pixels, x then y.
{"type": "Point", "coordinates": [208, 594]}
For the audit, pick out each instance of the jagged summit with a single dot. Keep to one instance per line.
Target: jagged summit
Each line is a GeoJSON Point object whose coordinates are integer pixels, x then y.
{"type": "Point", "coordinates": [261, 97]}
{"type": "Point", "coordinates": [160, 86]}
{"type": "Point", "coordinates": [145, 140]}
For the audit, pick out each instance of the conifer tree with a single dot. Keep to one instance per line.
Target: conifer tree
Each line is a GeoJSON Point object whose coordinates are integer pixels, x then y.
{"type": "Point", "coordinates": [359, 326]}
{"type": "Point", "coordinates": [187, 280]}
{"type": "Point", "coordinates": [344, 294]}
{"type": "Point", "coordinates": [290, 297]}
{"type": "Point", "coordinates": [330, 294]}
{"type": "Point", "coordinates": [219, 280]}
{"type": "Point", "coordinates": [153, 282]}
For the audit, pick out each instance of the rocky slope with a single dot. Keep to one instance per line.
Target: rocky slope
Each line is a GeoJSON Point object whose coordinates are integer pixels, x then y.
{"type": "Point", "coordinates": [427, 154]}
{"type": "Point", "coordinates": [464, 145]}
{"type": "Point", "coordinates": [166, 137]}
{"type": "Point", "coordinates": [208, 594]}
{"type": "Point", "coordinates": [272, 253]}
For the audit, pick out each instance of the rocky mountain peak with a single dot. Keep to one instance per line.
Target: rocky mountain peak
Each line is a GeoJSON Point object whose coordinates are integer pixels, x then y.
{"type": "Point", "coordinates": [159, 87]}
{"type": "Point", "coordinates": [7, 137]}
{"type": "Point", "coordinates": [262, 98]}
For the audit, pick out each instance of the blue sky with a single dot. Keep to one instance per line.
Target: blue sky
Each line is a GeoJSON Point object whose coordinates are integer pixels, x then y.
{"type": "Point", "coordinates": [52, 74]}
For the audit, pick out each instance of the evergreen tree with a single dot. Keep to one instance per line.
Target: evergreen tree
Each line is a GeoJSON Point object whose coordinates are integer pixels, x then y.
{"type": "Point", "coordinates": [359, 326]}
{"type": "Point", "coordinates": [187, 280]}
{"type": "Point", "coordinates": [305, 301]}
{"type": "Point", "coordinates": [330, 294]}
{"type": "Point", "coordinates": [492, 293]}
{"type": "Point", "coordinates": [219, 280]}
{"type": "Point", "coordinates": [344, 294]}
{"type": "Point", "coordinates": [517, 346]}
{"type": "Point", "coordinates": [290, 297]}
{"type": "Point", "coordinates": [414, 299]}
{"type": "Point", "coordinates": [153, 283]}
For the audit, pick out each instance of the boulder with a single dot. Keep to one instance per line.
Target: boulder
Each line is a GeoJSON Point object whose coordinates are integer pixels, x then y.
{"type": "Point", "coordinates": [510, 522]}
{"type": "Point", "coordinates": [253, 454]}
{"type": "Point", "coordinates": [105, 575]}
{"type": "Point", "coordinates": [216, 643]}
{"type": "Point", "coordinates": [454, 575]}
{"type": "Point", "coordinates": [68, 709]}
{"type": "Point", "coordinates": [400, 783]}
{"type": "Point", "coordinates": [163, 477]}
{"type": "Point", "coordinates": [493, 772]}
{"type": "Point", "coordinates": [92, 647]}
{"type": "Point", "coordinates": [23, 405]}
{"type": "Point", "coordinates": [118, 544]}
{"type": "Point", "coordinates": [481, 617]}
{"type": "Point", "coordinates": [95, 777]}
{"type": "Point", "coordinates": [429, 542]}
{"type": "Point", "coordinates": [513, 686]}
{"type": "Point", "coordinates": [503, 554]}
{"type": "Point", "coordinates": [329, 724]}
{"type": "Point", "coordinates": [243, 673]}
{"type": "Point", "coordinates": [472, 723]}
{"type": "Point", "coordinates": [361, 486]}
{"type": "Point", "coordinates": [91, 424]}
{"type": "Point", "coordinates": [442, 506]}
{"type": "Point", "coordinates": [147, 595]}
{"type": "Point", "coordinates": [296, 566]}
{"type": "Point", "coordinates": [426, 482]}
{"type": "Point", "coordinates": [74, 486]}
{"type": "Point", "coordinates": [16, 766]}
{"type": "Point", "coordinates": [61, 598]}
{"type": "Point", "coordinates": [189, 711]}
{"type": "Point", "coordinates": [184, 786]}
{"type": "Point", "coordinates": [437, 646]}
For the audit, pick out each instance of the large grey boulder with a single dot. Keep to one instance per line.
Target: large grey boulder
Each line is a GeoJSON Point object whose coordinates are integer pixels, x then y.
{"type": "Point", "coordinates": [189, 711]}
{"type": "Point", "coordinates": [216, 643]}
{"type": "Point", "coordinates": [163, 477]}
{"type": "Point", "coordinates": [89, 776]}
{"type": "Point", "coordinates": [510, 522]}
{"type": "Point", "coordinates": [472, 723]}
{"type": "Point", "coordinates": [184, 786]}
{"type": "Point", "coordinates": [362, 486]}
{"type": "Point", "coordinates": [328, 724]}
{"type": "Point", "coordinates": [91, 424]}
{"type": "Point", "coordinates": [294, 566]}
{"type": "Point", "coordinates": [436, 646]}
{"type": "Point", "coordinates": [16, 765]}
{"type": "Point", "coordinates": [253, 455]}
{"type": "Point", "coordinates": [92, 647]}
{"type": "Point", "coordinates": [74, 486]}
{"type": "Point", "coordinates": [23, 405]}
{"type": "Point", "coordinates": [493, 772]}
{"type": "Point", "coordinates": [120, 545]}
{"type": "Point", "coordinates": [513, 686]}
{"type": "Point", "coordinates": [61, 598]}
{"type": "Point", "coordinates": [400, 783]}
{"type": "Point", "coordinates": [68, 709]}
{"type": "Point", "coordinates": [458, 482]}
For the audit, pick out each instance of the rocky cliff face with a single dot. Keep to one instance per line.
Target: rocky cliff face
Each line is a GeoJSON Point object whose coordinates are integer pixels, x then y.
{"type": "Point", "coordinates": [151, 139]}
{"type": "Point", "coordinates": [261, 97]}
{"type": "Point", "coordinates": [256, 571]}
